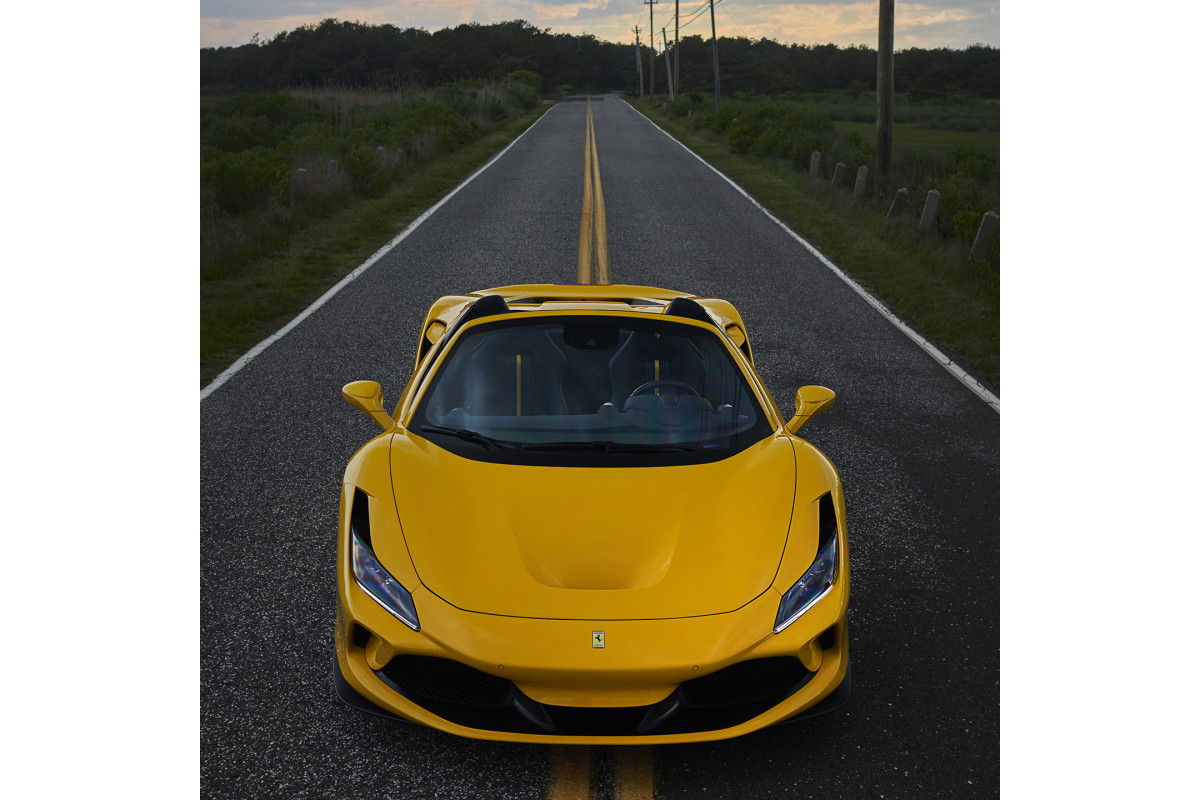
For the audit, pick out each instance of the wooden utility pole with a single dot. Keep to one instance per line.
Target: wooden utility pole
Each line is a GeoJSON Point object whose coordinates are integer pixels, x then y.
{"type": "Point", "coordinates": [884, 96]}
{"type": "Point", "coordinates": [667, 58]}
{"type": "Point", "coordinates": [716, 66]}
{"type": "Point", "coordinates": [676, 48]}
{"type": "Point", "coordinates": [651, 3]}
{"type": "Point", "coordinates": [637, 35]}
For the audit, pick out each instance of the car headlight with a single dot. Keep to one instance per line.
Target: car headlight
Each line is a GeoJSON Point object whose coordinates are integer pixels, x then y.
{"type": "Point", "coordinates": [386, 590]}
{"type": "Point", "coordinates": [819, 578]}
{"type": "Point", "coordinates": [370, 574]}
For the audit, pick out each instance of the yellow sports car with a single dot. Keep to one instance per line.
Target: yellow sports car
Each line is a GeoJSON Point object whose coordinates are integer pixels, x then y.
{"type": "Point", "coordinates": [587, 522]}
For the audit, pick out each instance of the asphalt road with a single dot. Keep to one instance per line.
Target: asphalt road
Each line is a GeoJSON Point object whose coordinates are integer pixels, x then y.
{"type": "Point", "coordinates": [919, 455]}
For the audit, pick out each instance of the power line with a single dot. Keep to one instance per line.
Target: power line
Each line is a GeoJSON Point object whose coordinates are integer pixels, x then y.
{"type": "Point", "coordinates": [694, 15]}
{"type": "Point", "coordinates": [726, 12]}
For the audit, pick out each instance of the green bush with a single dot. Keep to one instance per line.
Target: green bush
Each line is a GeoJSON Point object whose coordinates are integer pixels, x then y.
{"type": "Point", "coordinates": [451, 130]}
{"type": "Point", "coordinates": [934, 84]}
{"type": "Point", "coordinates": [521, 95]}
{"type": "Point", "coordinates": [365, 171]}
{"type": "Point", "coordinates": [780, 130]}
{"type": "Point", "coordinates": [692, 102]}
{"type": "Point", "coordinates": [234, 134]}
{"type": "Point", "coordinates": [803, 145]}
{"type": "Point", "coordinates": [254, 146]}
{"type": "Point", "coordinates": [744, 130]}
{"type": "Point", "coordinates": [978, 166]}
{"type": "Point", "coordinates": [244, 180]}
{"type": "Point", "coordinates": [252, 120]}
{"type": "Point", "coordinates": [527, 77]}
{"type": "Point", "coordinates": [720, 121]}
{"type": "Point", "coordinates": [969, 184]}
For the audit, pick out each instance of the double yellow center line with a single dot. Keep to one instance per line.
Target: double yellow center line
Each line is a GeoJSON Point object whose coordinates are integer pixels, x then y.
{"type": "Point", "coordinates": [573, 773]}
{"type": "Point", "coordinates": [593, 232]}
{"type": "Point", "coordinates": [573, 767]}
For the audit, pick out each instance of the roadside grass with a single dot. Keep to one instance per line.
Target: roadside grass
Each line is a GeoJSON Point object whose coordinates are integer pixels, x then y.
{"type": "Point", "coordinates": [256, 299]}
{"type": "Point", "coordinates": [949, 114]}
{"type": "Point", "coordinates": [917, 137]}
{"type": "Point", "coordinates": [929, 282]}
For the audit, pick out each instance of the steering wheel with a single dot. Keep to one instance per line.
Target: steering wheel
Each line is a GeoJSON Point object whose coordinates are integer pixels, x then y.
{"type": "Point", "coordinates": [678, 386]}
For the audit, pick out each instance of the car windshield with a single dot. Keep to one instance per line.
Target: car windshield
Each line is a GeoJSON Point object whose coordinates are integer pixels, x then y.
{"type": "Point", "coordinates": [587, 389]}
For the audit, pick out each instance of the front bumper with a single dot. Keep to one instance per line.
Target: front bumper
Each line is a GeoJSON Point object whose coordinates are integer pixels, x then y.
{"type": "Point", "coordinates": [534, 680]}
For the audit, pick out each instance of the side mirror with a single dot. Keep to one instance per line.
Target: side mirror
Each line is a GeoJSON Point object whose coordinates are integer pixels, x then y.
{"type": "Point", "coordinates": [368, 396]}
{"type": "Point", "coordinates": [810, 401]}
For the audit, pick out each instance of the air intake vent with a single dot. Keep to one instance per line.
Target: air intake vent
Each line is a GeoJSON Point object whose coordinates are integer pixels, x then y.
{"type": "Point", "coordinates": [425, 679]}
{"type": "Point", "coordinates": [747, 682]}
{"type": "Point", "coordinates": [360, 518]}
{"type": "Point", "coordinates": [828, 523]}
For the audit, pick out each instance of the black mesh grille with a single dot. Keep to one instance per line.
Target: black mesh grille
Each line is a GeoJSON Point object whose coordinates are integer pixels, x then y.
{"type": "Point", "coordinates": [475, 699]}
{"type": "Point", "coordinates": [441, 680]}
{"type": "Point", "coordinates": [747, 682]}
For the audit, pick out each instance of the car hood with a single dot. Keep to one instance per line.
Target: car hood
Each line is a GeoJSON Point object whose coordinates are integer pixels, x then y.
{"type": "Point", "coordinates": [588, 543]}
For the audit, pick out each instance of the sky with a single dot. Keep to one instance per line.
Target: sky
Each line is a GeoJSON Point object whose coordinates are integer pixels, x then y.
{"type": "Point", "coordinates": [926, 24]}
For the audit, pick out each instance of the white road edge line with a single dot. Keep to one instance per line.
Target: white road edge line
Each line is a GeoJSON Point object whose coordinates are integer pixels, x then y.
{"type": "Point", "coordinates": [937, 355]}
{"type": "Point", "coordinates": [257, 350]}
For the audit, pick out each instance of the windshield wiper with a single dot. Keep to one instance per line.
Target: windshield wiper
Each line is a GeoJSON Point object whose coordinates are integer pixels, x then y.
{"type": "Point", "coordinates": [610, 447]}
{"type": "Point", "coordinates": [467, 435]}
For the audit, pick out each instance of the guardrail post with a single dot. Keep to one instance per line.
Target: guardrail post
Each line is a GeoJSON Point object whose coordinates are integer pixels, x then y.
{"type": "Point", "coordinates": [814, 164]}
{"type": "Point", "coordinates": [899, 204]}
{"type": "Point", "coordinates": [989, 232]}
{"type": "Point", "coordinates": [839, 172]}
{"type": "Point", "coordinates": [860, 182]}
{"type": "Point", "coordinates": [298, 183]}
{"type": "Point", "coordinates": [929, 215]}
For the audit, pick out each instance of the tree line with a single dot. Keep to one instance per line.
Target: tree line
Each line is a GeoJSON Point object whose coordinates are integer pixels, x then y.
{"type": "Point", "coordinates": [335, 53]}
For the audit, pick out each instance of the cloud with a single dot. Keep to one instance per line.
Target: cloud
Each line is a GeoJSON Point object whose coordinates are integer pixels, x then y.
{"type": "Point", "coordinates": [949, 27]}
{"type": "Point", "coordinates": [602, 9]}
{"type": "Point", "coordinates": [931, 23]}
{"type": "Point", "coordinates": [288, 9]}
{"type": "Point", "coordinates": [928, 23]}
{"type": "Point", "coordinates": [270, 17]}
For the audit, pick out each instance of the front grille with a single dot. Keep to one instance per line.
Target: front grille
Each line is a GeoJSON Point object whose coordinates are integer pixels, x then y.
{"type": "Point", "coordinates": [466, 696]}
{"type": "Point", "coordinates": [745, 682]}
{"type": "Point", "coordinates": [444, 681]}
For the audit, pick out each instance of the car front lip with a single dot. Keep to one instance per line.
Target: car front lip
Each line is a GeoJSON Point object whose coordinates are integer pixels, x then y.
{"type": "Point", "coordinates": [555, 671]}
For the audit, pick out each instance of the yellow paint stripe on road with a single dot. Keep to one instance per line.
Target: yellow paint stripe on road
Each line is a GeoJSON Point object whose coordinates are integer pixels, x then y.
{"type": "Point", "coordinates": [593, 227]}
{"type": "Point", "coordinates": [570, 773]}
{"type": "Point", "coordinates": [600, 228]}
{"type": "Point", "coordinates": [587, 219]}
{"type": "Point", "coordinates": [633, 773]}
